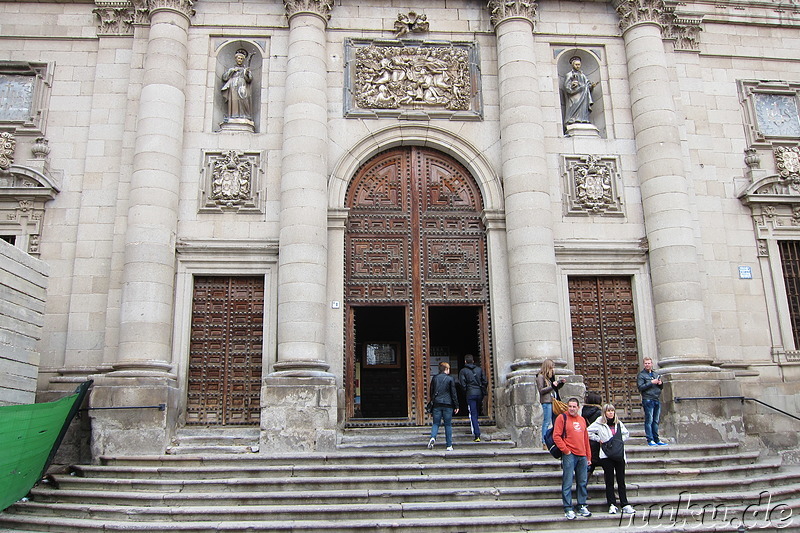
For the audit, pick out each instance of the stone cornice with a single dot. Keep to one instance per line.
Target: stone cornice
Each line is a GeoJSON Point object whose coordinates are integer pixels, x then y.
{"type": "Point", "coordinates": [321, 8]}
{"type": "Point", "coordinates": [501, 10]}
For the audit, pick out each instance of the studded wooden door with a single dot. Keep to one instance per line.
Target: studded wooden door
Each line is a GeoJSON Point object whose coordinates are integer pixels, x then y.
{"type": "Point", "coordinates": [604, 340]}
{"type": "Point", "coordinates": [225, 351]}
{"type": "Point", "coordinates": [414, 239]}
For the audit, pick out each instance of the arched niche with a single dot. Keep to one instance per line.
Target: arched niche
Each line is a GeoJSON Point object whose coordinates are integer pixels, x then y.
{"type": "Point", "coordinates": [591, 67]}
{"type": "Point", "coordinates": [226, 58]}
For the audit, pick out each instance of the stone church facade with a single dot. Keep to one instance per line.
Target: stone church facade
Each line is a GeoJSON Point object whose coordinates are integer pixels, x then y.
{"type": "Point", "coordinates": [284, 215]}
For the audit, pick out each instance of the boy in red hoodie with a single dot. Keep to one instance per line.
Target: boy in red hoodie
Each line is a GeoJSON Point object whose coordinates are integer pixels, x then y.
{"type": "Point", "coordinates": [576, 459]}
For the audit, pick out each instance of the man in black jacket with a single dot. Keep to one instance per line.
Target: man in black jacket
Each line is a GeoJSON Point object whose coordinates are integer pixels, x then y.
{"type": "Point", "coordinates": [650, 385]}
{"type": "Point", "coordinates": [474, 383]}
{"type": "Point", "coordinates": [445, 404]}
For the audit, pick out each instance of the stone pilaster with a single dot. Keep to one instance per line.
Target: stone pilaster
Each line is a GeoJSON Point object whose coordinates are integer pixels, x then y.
{"type": "Point", "coordinates": [529, 221]}
{"type": "Point", "coordinates": [142, 374]}
{"type": "Point", "coordinates": [677, 294]}
{"type": "Point", "coordinates": [300, 391]}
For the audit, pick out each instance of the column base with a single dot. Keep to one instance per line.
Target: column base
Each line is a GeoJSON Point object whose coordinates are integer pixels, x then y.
{"type": "Point", "coordinates": [298, 412]}
{"type": "Point", "coordinates": [140, 429]}
{"type": "Point", "coordinates": [701, 421]}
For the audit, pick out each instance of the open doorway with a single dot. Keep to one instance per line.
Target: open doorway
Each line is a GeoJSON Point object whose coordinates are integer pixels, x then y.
{"type": "Point", "coordinates": [454, 332]}
{"type": "Point", "coordinates": [380, 363]}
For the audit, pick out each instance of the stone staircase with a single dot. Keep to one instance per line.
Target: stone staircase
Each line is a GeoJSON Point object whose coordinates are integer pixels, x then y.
{"type": "Point", "coordinates": [387, 480]}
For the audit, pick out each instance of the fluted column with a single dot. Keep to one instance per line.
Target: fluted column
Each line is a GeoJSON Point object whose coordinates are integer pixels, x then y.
{"type": "Point", "coordinates": [302, 271]}
{"type": "Point", "coordinates": [149, 269]}
{"type": "Point", "coordinates": [299, 404]}
{"type": "Point", "coordinates": [529, 222]}
{"type": "Point", "coordinates": [677, 294]}
{"type": "Point", "coordinates": [142, 375]}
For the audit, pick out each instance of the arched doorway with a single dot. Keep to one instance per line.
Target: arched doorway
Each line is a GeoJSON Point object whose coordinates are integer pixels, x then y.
{"type": "Point", "coordinates": [416, 282]}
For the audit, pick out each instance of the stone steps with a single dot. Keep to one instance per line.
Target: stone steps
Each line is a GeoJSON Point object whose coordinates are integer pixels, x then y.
{"type": "Point", "coordinates": [389, 481]}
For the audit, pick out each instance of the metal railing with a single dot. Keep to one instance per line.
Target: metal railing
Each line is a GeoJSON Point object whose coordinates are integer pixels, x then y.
{"type": "Point", "coordinates": [742, 399]}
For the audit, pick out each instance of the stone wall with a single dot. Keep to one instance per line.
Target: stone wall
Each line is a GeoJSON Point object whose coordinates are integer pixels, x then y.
{"type": "Point", "coordinates": [23, 284]}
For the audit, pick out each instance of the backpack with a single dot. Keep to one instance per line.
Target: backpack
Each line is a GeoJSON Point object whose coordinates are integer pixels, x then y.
{"type": "Point", "coordinates": [555, 451]}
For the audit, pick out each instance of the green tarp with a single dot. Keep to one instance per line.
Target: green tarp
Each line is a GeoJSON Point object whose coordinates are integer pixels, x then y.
{"type": "Point", "coordinates": [29, 437]}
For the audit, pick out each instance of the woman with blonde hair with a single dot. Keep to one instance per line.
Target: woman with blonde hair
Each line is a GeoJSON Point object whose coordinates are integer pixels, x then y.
{"type": "Point", "coordinates": [612, 433]}
{"type": "Point", "coordinates": [548, 387]}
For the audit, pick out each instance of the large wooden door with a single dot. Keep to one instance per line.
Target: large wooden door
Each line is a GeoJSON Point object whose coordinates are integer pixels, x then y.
{"type": "Point", "coordinates": [226, 350]}
{"type": "Point", "coordinates": [604, 340]}
{"type": "Point", "coordinates": [414, 240]}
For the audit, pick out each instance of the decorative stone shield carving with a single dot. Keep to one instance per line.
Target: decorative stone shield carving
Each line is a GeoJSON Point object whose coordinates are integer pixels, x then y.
{"type": "Point", "coordinates": [232, 181]}
{"type": "Point", "coordinates": [591, 184]}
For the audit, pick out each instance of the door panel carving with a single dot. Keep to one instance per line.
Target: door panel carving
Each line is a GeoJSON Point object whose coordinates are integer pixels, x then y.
{"type": "Point", "coordinates": [414, 237]}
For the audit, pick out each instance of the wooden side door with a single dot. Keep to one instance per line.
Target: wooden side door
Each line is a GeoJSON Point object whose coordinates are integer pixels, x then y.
{"type": "Point", "coordinates": [225, 351]}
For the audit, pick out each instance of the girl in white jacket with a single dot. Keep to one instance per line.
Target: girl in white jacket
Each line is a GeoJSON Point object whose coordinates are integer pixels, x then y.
{"type": "Point", "coordinates": [609, 430]}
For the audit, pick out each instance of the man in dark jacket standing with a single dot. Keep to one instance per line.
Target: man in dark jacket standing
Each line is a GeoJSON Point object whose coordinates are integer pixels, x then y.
{"type": "Point", "coordinates": [474, 383]}
{"type": "Point", "coordinates": [445, 404]}
{"type": "Point", "coordinates": [650, 385]}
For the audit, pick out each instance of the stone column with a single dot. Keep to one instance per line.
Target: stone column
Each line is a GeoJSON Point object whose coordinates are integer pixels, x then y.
{"type": "Point", "coordinates": [299, 400]}
{"type": "Point", "coordinates": [677, 294]}
{"type": "Point", "coordinates": [529, 226]}
{"type": "Point", "coordinates": [142, 374]}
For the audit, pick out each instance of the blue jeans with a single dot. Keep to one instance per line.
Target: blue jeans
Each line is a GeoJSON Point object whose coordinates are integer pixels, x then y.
{"type": "Point", "coordinates": [547, 418]}
{"type": "Point", "coordinates": [652, 412]}
{"type": "Point", "coordinates": [472, 406]}
{"type": "Point", "coordinates": [574, 467]}
{"type": "Point", "coordinates": [446, 414]}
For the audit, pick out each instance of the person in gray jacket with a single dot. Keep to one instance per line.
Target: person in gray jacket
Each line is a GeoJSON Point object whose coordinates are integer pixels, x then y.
{"type": "Point", "coordinates": [474, 383]}
{"type": "Point", "coordinates": [650, 385]}
{"type": "Point", "coordinates": [445, 404]}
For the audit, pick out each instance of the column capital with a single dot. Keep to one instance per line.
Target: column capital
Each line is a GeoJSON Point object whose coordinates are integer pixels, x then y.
{"type": "Point", "coordinates": [144, 9]}
{"type": "Point", "coordinates": [633, 12]}
{"type": "Point", "coordinates": [321, 8]}
{"type": "Point", "coordinates": [502, 10]}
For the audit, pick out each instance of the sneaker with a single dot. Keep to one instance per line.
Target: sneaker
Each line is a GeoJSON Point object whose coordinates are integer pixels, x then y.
{"type": "Point", "coordinates": [651, 443]}
{"type": "Point", "coordinates": [477, 439]}
{"type": "Point", "coordinates": [570, 514]}
{"type": "Point", "coordinates": [584, 511]}
{"type": "Point", "coordinates": [628, 510]}
{"type": "Point", "coordinates": [613, 509]}
{"type": "Point", "coordinates": [659, 443]}
{"type": "Point", "coordinates": [431, 443]}
{"type": "Point", "coordinates": [449, 449]}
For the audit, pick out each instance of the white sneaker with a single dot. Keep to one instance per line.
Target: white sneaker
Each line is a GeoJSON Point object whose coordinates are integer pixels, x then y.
{"type": "Point", "coordinates": [613, 509]}
{"type": "Point", "coordinates": [570, 514]}
{"type": "Point", "coordinates": [449, 449]}
{"type": "Point", "coordinates": [628, 510]}
{"type": "Point", "coordinates": [431, 443]}
{"type": "Point", "coordinates": [584, 511]}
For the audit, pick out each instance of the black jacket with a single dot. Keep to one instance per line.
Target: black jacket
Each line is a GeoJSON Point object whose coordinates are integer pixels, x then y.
{"type": "Point", "coordinates": [443, 391]}
{"type": "Point", "coordinates": [473, 380]}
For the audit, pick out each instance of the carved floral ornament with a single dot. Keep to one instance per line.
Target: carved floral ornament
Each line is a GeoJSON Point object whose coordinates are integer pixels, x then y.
{"type": "Point", "coordinates": [7, 144]}
{"type": "Point", "coordinates": [775, 200]}
{"type": "Point", "coordinates": [317, 7]}
{"type": "Point", "coordinates": [501, 10]}
{"type": "Point", "coordinates": [411, 23]}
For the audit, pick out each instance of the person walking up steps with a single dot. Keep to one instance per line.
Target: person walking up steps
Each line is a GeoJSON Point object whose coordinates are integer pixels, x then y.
{"type": "Point", "coordinates": [473, 381]}
{"type": "Point", "coordinates": [445, 405]}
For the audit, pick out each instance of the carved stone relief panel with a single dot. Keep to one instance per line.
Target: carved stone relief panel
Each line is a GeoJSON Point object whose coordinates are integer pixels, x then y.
{"type": "Point", "coordinates": [771, 110]}
{"type": "Point", "coordinates": [592, 185]}
{"type": "Point", "coordinates": [115, 17]}
{"type": "Point", "coordinates": [412, 79]}
{"type": "Point", "coordinates": [24, 90]}
{"type": "Point", "coordinates": [231, 181]}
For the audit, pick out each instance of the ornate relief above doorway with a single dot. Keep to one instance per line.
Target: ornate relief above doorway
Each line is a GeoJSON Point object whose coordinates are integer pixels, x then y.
{"type": "Point", "coordinates": [416, 282]}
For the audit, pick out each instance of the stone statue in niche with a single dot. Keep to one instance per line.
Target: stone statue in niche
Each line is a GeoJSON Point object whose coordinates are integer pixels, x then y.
{"type": "Point", "coordinates": [237, 94]}
{"type": "Point", "coordinates": [579, 94]}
